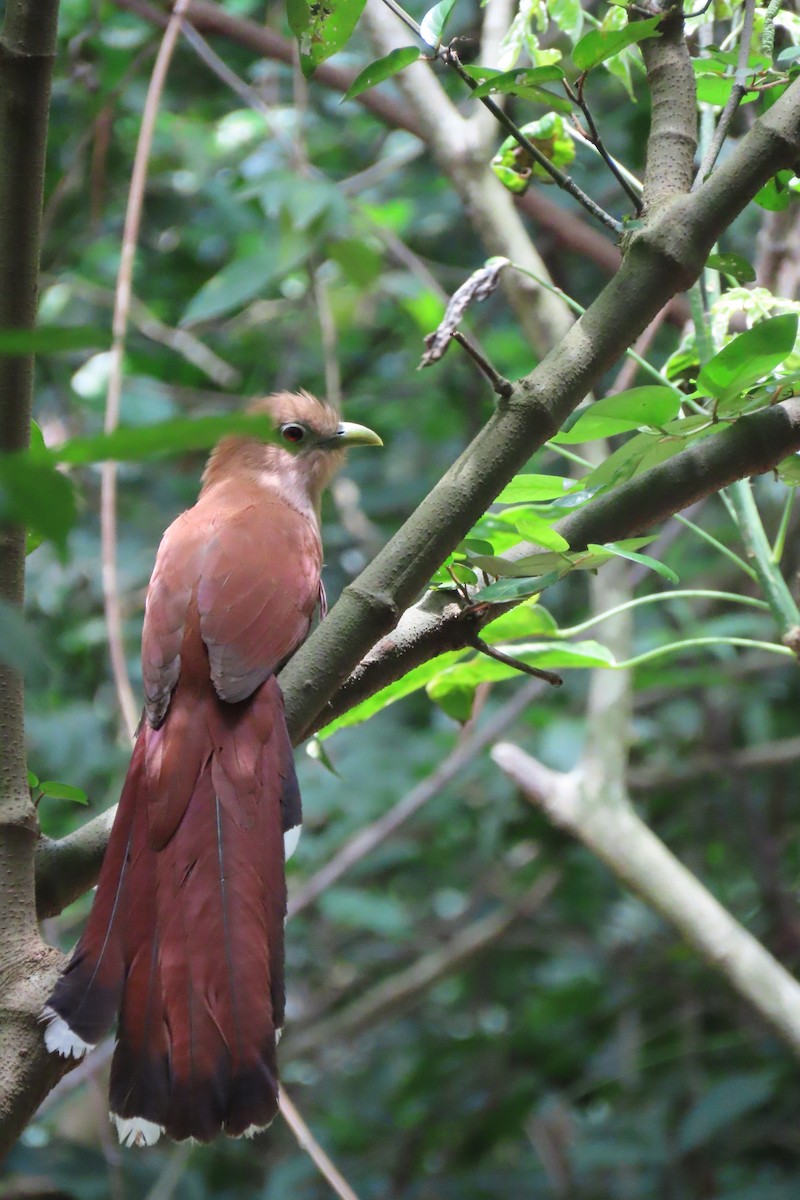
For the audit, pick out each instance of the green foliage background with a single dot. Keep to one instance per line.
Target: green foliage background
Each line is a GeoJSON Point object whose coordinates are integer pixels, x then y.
{"type": "Point", "coordinates": [586, 1052]}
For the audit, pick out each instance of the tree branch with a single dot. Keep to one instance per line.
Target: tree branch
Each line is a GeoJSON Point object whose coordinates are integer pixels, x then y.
{"type": "Point", "coordinates": [457, 147]}
{"type": "Point", "coordinates": [371, 836]}
{"type": "Point", "coordinates": [402, 989]}
{"type": "Point", "coordinates": [673, 123]}
{"type": "Point", "coordinates": [27, 51]}
{"type": "Point", "coordinates": [616, 834]}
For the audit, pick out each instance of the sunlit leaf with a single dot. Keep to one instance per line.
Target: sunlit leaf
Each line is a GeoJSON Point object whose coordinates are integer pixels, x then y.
{"type": "Point", "coordinates": [63, 791]}
{"type": "Point", "coordinates": [617, 549]}
{"type": "Point", "coordinates": [534, 487]}
{"type": "Point", "coordinates": [411, 682]}
{"type": "Point", "coordinates": [432, 24]}
{"type": "Point", "coordinates": [525, 621]}
{"type": "Point", "coordinates": [598, 45]}
{"type": "Point", "coordinates": [321, 29]}
{"type": "Point", "coordinates": [648, 405]}
{"type": "Point", "coordinates": [749, 357]}
{"type": "Point", "coordinates": [519, 82]}
{"type": "Point", "coordinates": [539, 531]}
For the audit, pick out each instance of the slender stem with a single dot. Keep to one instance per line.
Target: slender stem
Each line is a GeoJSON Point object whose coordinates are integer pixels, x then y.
{"type": "Point", "coordinates": [773, 585]}
{"type": "Point", "coordinates": [501, 385]}
{"type": "Point", "coordinates": [657, 598]}
{"type": "Point", "coordinates": [564, 181]}
{"type": "Point", "coordinates": [705, 347]}
{"type": "Point", "coordinates": [780, 537]}
{"type": "Point", "coordinates": [450, 58]}
{"type": "Point", "coordinates": [577, 97]}
{"type": "Point", "coordinates": [578, 308]}
{"type": "Point", "coordinates": [309, 1143]}
{"type": "Point", "coordinates": [509, 661]}
{"type": "Point", "coordinates": [734, 100]}
{"type": "Point", "coordinates": [691, 643]}
{"type": "Point", "coordinates": [723, 549]}
{"type": "Point", "coordinates": [369, 837]}
{"type": "Point", "coordinates": [122, 305]}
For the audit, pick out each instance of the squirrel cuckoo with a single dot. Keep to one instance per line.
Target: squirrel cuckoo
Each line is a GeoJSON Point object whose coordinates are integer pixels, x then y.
{"type": "Point", "coordinates": [184, 942]}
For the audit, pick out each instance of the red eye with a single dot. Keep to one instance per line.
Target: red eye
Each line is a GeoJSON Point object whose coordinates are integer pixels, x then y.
{"type": "Point", "coordinates": [292, 432]}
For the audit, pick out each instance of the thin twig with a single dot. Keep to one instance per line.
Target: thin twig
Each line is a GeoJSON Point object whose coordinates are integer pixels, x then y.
{"type": "Point", "coordinates": [406, 985]}
{"type": "Point", "coordinates": [108, 495]}
{"type": "Point", "coordinates": [564, 181]}
{"type": "Point", "coordinates": [577, 97]}
{"type": "Point", "coordinates": [734, 100]}
{"type": "Point", "coordinates": [630, 367]}
{"type": "Point", "coordinates": [503, 386]}
{"type": "Point", "coordinates": [509, 661]}
{"type": "Point", "coordinates": [449, 56]}
{"type": "Point", "coordinates": [371, 836]}
{"type": "Point", "coordinates": [307, 1142]}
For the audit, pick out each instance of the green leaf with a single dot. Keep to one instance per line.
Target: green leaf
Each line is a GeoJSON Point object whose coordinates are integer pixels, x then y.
{"type": "Point", "coordinates": [321, 29]}
{"type": "Point", "coordinates": [540, 531]}
{"type": "Point", "coordinates": [382, 68]}
{"type": "Point", "coordinates": [789, 471]}
{"type": "Point", "coordinates": [525, 621]}
{"type": "Point", "coordinates": [525, 488]}
{"type": "Point", "coordinates": [36, 495]}
{"type": "Point", "coordinates": [616, 548]}
{"type": "Point", "coordinates": [716, 90]}
{"type": "Point", "coordinates": [518, 589]}
{"type": "Point", "coordinates": [732, 264]}
{"type": "Point", "coordinates": [648, 405]}
{"type": "Point", "coordinates": [410, 683]}
{"type": "Point", "coordinates": [53, 339]}
{"type": "Point", "coordinates": [360, 261]}
{"type": "Point", "coordinates": [775, 195]}
{"type": "Point", "coordinates": [520, 82]}
{"type": "Point", "coordinates": [154, 441]}
{"type": "Point", "coordinates": [316, 750]}
{"type": "Point", "coordinates": [33, 780]}
{"type": "Point", "coordinates": [432, 24]}
{"type": "Point", "coordinates": [598, 45]}
{"type": "Point", "coordinates": [723, 1105]}
{"type": "Point", "coordinates": [245, 278]}
{"type": "Point", "coordinates": [453, 688]}
{"type": "Point", "coordinates": [63, 791]}
{"type": "Point", "coordinates": [749, 357]}
{"type": "Point", "coordinates": [474, 546]}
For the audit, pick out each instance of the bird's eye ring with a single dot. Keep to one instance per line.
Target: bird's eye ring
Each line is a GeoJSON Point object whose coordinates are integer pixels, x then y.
{"type": "Point", "coordinates": [292, 432]}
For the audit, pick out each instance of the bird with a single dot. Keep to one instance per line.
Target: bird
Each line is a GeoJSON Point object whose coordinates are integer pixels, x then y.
{"type": "Point", "coordinates": [184, 942]}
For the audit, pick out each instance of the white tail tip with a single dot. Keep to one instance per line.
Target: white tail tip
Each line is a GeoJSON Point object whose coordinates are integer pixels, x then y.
{"type": "Point", "coordinates": [290, 840]}
{"type": "Point", "coordinates": [59, 1038]}
{"type": "Point", "coordinates": [136, 1131]}
{"type": "Point", "coordinates": [253, 1131]}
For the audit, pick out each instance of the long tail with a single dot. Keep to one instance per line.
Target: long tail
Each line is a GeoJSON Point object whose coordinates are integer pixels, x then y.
{"type": "Point", "coordinates": [185, 938]}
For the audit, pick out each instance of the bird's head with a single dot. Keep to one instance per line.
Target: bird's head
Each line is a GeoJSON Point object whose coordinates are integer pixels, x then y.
{"type": "Point", "coordinates": [311, 444]}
